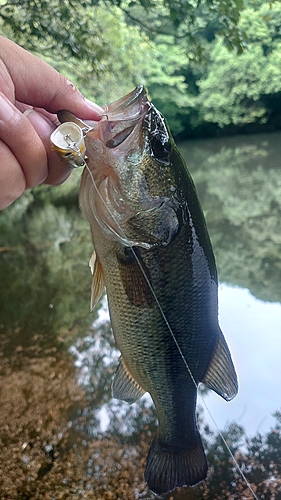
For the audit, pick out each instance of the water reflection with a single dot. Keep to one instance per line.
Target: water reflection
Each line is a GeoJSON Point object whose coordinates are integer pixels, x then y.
{"type": "Point", "coordinates": [61, 434]}
{"type": "Point", "coordinates": [253, 332]}
{"type": "Point", "coordinates": [239, 183]}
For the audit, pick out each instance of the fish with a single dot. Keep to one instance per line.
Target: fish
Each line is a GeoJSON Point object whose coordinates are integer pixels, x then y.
{"type": "Point", "coordinates": [153, 255]}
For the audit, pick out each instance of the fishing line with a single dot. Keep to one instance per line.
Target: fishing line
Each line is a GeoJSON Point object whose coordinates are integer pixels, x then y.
{"type": "Point", "coordinates": [175, 340]}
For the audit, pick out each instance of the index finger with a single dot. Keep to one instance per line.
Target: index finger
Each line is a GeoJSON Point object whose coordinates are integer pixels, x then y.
{"type": "Point", "coordinates": [38, 84]}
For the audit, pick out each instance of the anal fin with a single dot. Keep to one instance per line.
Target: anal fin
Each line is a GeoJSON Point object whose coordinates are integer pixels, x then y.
{"type": "Point", "coordinates": [220, 375]}
{"type": "Point", "coordinates": [97, 281]}
{"type": "Point", "coordinates": [124, 386]}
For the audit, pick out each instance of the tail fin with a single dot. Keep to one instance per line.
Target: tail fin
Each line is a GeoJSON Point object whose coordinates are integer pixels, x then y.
{"type": "Point", "coordinates": [170, 467]}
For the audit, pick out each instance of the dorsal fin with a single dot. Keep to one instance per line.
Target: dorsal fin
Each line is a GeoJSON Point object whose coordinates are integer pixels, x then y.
{"type": "Point", "coordinates": [220, 375]}
{"type": "Point", "coordinates": [97, 281]}
{"type": "Point", "coordinates": [124, 386]}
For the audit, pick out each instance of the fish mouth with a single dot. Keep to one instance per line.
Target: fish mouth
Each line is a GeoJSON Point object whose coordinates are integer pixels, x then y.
{"type": "Point", "coordinates": [134, 104]}
{"type": "Point", "coordinates": [135, 113]}
{"type": "Point", "coordinates": [121, 117]}
{"type": "Point", "coordinates": [126, 117]}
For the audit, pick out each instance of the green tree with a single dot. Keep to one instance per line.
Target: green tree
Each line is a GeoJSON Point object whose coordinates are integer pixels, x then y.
{"type": "Point", "coordinates": [61, 26]}
{"type": "Point", "coordinates": [239, 90]}
{"type": "Point", "coordinates": [109, 46]}
{"type": "Point", "coordinates": [167, 87]}
{"type": "Point", "coordinates": [67, 25]}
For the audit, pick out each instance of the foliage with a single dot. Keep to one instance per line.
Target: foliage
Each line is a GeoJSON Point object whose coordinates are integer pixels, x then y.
{"type": "Point", "coordinates": [108, 47]}
{"type": "Point", "coordinates": [236, 90]}
{"type": "Point", "coordinates": [179, 50]}
{"type": "Point", "coordinates": [55, 26]}
{"type": "Point", "coordinates": [233, 90]}
{"type": "Point", "coordinates": [167, 88]}
{"type": "Point", "coordinates": [120, 69]}
{"type": "Point", "coordinates": [67, 24]}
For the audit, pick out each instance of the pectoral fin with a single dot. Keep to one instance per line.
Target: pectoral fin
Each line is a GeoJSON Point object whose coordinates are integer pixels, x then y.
{"type": "Point", "coordinates": [124, 386]}
{"type": "Point", "coordinates": [220, 375]}
{"type": "Point", "coordinates": [97, 281]}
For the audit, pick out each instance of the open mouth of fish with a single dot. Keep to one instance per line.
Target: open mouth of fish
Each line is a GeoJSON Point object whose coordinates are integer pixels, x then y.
{"type": "Point", "coordinates": [122, 116]}
{"type": "Point", "coordinates": [120, 119]}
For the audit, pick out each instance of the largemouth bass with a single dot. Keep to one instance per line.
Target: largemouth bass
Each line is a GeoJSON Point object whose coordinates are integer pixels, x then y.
{"type": "Point", "coordinates": [154, 257]}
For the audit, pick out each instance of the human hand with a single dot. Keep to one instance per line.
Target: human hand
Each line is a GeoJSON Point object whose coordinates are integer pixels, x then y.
{"type": "Point", "coordinates": [28, 83]}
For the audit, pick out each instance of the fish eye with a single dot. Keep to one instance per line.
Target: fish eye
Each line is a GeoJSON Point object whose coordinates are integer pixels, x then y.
{"type": "Point", "coordinates": [160, 151]}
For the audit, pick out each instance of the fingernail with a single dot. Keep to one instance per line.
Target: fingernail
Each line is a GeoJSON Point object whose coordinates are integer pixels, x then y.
{"type": "Point", "coordinates": [94, 106]}
{"type": "Point", "coordinates": [42, 125]}
{"type": "Point", "coordinates": [7, 110]}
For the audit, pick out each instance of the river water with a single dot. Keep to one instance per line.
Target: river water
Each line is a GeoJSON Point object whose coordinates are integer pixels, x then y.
{"type": "Point", "coordinates": [61, 434]}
